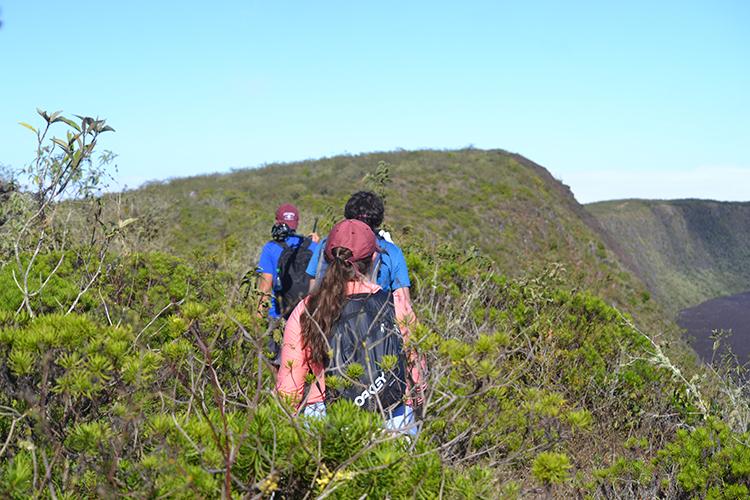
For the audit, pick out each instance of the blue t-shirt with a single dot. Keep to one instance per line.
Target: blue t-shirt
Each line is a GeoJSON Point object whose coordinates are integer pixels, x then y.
{"type": "Point", "coordinates": [269, 263]}
{"type": "Point", "coordinates": [392, 273]}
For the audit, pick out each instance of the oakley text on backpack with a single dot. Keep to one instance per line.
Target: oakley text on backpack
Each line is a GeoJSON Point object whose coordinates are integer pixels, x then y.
{"type": "Point", "coordinates": [367, 335]}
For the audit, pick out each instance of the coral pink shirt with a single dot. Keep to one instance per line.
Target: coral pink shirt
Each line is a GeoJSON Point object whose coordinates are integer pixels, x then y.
{"type": "Point", "coordinates": [295, 364]}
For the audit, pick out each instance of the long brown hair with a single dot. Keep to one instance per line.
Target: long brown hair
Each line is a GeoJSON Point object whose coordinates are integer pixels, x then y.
{"type": "Point", "coordinates": [324, 305]}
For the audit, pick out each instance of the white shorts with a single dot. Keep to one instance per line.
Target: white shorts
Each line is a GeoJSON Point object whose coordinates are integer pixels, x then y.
{"type": "Point", "coordinates": [401, 418]}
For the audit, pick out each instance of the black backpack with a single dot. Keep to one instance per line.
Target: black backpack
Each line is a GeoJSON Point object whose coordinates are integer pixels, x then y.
{"type": "Point", "coordinates": [292, 280]}
{"type": "Point", "coordinates": [365, 334]}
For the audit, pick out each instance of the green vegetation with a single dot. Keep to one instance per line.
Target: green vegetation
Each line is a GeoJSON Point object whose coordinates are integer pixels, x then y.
{"type": "Point", "coordinates": [532, 388]}
{"type": "Point", "coordinates": [131, 363]}
{"type": "Point", "coordinates": [687, 251]}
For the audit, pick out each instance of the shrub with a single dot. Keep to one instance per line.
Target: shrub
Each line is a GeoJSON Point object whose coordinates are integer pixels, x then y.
{"type": "Point", "coordinates": [158, 386]}
{"type": "Point", "coordinates": [551, 468]}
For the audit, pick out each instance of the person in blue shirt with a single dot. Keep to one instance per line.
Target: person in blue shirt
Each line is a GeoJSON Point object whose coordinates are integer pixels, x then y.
{"type": "Point", "coordinates": [284, 230]}
{"type": "Point", "coordinates": [389, 268]}
{"type": "Point", "coordinates": [391, 272]}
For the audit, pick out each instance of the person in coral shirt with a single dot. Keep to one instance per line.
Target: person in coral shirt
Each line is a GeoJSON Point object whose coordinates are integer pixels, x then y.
{"type": "Point", "coordinates": [324, 333]}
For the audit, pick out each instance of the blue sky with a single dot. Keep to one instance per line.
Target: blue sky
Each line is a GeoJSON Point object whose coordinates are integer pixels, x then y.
{"type": "Point", "coordinates": [626, 99]}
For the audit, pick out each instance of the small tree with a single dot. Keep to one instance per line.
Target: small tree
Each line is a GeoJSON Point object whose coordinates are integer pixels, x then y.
{"type": "Point", "coordinates": [380, 179]}
{"type": "Point", "coordinates": [60, 186]}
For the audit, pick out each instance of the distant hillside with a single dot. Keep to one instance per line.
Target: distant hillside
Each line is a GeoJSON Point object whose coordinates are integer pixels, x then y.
{"type": "Point", "coordinates": [687, 251]}
{"type": "Point", "coordinates": [502, 204]}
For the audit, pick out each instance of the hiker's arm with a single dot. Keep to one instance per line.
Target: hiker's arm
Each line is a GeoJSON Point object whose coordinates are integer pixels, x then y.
{"type": "Point", "coordinates": [400, 284]}
{"type": "Point", "coordinates": [294, 367]}
{"type": "Point", "coordinates": [312, 266]}
{"type": "Point", "coordinates": [399, 270]}
{"type": "Point", "coordinates": [266, 266]}
{"type": "Point", "coordinates": [404, 312]}
{"type": "Point", "coordinates": [406, 320]}
{"type": "Point", "coordinates": [265, 283]}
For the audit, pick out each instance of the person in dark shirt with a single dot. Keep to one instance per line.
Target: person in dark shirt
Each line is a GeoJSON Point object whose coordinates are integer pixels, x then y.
{"type": "Point", "coordinates": [284, 234]}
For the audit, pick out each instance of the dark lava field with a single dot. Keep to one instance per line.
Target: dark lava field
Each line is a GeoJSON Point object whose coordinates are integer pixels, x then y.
{"type": "Point", "coordinates": [731, 314]}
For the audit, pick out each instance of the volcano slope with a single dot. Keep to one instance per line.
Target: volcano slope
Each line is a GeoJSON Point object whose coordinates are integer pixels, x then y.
{"type": "Point", "coordinates": [496, 203]}
{"type": "Point", "coordinates": [686, 251]}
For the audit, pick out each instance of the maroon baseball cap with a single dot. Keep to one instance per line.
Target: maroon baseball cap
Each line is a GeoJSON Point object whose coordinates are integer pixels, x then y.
{"type": "Point", "coordinates": [354, 235]}
{"type": "Point", "coordinates": [288, 214]}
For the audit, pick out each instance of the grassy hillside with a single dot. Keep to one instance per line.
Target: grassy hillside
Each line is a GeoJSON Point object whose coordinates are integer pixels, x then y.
{"type": "Point", "coordinates": [491, 202]}
{"type": "Point", "coordinates": [687, 251]}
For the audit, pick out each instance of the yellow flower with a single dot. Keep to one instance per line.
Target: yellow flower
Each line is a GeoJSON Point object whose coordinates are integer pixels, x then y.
{"type": "Point", "coordinates": [325, 477]}
{"type": "Point", "coordinates": [269, 485]}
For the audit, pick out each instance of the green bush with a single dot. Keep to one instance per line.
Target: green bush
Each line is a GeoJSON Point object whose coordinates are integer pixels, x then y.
{"type": "Point", "coordinates": [159, 387]}
{"type": "Point", "coordinates": [551, 468]}
{"type": "Point", "coordinates": [709, 459]}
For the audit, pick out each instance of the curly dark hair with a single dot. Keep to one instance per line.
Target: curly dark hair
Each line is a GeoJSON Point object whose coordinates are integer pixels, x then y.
{"type": "Point", "coordinates": [367, 207]}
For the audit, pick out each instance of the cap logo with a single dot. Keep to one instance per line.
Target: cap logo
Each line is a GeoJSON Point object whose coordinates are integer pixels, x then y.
{"type": "Point", "coordinates": [288, 216]}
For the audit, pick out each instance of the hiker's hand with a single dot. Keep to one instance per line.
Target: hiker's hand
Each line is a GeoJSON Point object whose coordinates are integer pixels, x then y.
{"type": "Point", "coordinates": [315, 237]}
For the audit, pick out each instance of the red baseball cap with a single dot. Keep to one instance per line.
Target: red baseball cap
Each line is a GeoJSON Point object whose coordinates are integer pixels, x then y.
{"type": "Point", "coordinates": [288, 214]}
{"type": "Point", "coordinates": [354, 235]}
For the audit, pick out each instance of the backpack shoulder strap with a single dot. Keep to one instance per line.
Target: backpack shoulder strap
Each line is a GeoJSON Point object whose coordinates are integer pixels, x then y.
{"type": "Point", "coordinates": [376, 269]}
{"type": "Point", "coordinates": [306, 242]}
{"type": "Point", "coordinates": [379, 260]}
